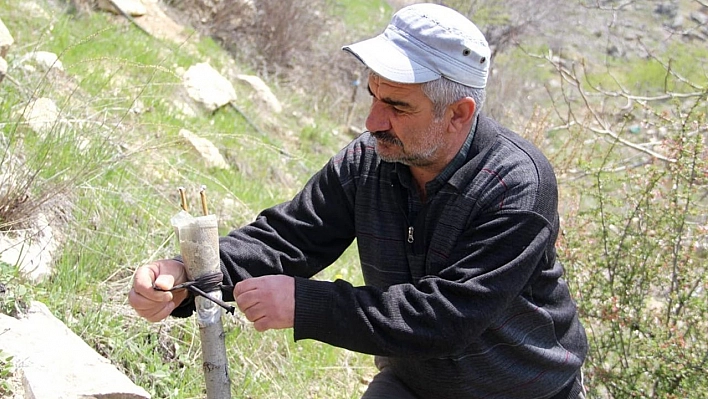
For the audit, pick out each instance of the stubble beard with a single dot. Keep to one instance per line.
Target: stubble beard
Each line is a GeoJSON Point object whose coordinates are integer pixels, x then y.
{"type": "Point", "coordinates": [422, 156]}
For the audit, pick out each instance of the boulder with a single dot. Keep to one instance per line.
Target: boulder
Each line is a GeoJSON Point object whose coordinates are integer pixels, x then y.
{"type": "Point", "coordinates": [53, 362]}
{"type": "Point", "coordinates": [41, 114]}
{"type": "Point", "coordinates": [158, 24]}
{"type": "Point", "coordinates": [3, 68]}
{"type": "Point", "coordinates": [45, 60]}
{"type": "Point", "coordinates": [6, 39]}
{"type": "Point", "coordinates": [262, 92]}
{"type": "Point", "coordinates": [699, 18]}
{"type": "Point", "coordinates": [208, 87]}
{"type": "Point", "coordinates": [206, 149]}
{"type": "Point", "coordinates": [134, 8]}
{"type": "Point", "coordinates": [32, 250]}
{"type": "Point", "coordinates": [668, 9]}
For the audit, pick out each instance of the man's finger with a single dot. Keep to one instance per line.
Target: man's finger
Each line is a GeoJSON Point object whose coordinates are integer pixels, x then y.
{"type": "Point", "coordinates": [244, 286]}
{"type": "Point", "coordinates": [246, 300]}
{"type": "Point", "coordinates": [149, 309]}
{"type": "Point", "coordinates": [255, 312]}
{"type": "Point", "coordinates": [262, 324]}
{"type": "Point", "coordinates": [144, 278]}
{"type": "Point", "coordinates": [160, 313]}
{"type": "Point", "coordinates": [140, 302]}
{"type": "Point", "coordinates": [164, 281]}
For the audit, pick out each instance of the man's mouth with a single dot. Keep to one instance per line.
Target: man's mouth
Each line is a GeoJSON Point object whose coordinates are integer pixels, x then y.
{"type": "Point", "coordinates": [386, 138]}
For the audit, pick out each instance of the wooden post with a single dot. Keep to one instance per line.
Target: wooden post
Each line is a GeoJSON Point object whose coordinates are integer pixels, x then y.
{"type": "Point", "coordinates": [199, 246]}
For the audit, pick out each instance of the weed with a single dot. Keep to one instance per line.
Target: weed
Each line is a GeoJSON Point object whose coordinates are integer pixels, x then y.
{"type": "Point", "coordinates": [15, 294]}
{"type": "Point", "coordinates": [6, 374]}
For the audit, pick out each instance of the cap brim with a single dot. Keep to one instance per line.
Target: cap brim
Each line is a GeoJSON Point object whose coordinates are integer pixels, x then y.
{"type": "Point", "coordinates": [389, 61]}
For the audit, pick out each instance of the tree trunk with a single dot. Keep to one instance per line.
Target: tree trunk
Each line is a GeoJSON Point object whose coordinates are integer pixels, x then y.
{"type": "Point", "coordinates": [199, 246]}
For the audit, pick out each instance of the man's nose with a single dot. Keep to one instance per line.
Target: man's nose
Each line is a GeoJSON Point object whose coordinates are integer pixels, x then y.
{"type": "Point", "coordinates": [378, 119]}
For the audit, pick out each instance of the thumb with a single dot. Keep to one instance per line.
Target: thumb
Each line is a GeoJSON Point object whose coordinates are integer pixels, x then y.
{"type": "Point", "coordinates": [165, 281]}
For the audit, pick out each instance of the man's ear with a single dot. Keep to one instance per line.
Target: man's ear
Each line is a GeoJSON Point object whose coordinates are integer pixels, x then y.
{"type": "Point", "coordinates": [461, 114]}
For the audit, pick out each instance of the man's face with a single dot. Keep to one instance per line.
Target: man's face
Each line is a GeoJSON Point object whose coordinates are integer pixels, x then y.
{"type": "Point", "coordinates": [402, 121]}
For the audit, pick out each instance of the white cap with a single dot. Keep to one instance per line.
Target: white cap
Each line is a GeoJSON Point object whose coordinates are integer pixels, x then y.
{"type": "Point", "coordinates": [424, 42]}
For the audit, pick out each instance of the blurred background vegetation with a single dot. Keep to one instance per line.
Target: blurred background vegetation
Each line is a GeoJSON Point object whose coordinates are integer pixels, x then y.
{"type": "Point", "coordinates": [614, 92]}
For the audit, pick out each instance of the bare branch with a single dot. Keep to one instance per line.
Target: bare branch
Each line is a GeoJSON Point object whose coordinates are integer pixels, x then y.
{"type": "Point", "coordinates": [669, 70]}
{"type": "Point", "coordinates": [598, 5]}
{"type": "Point", "coordinates": [570, 76]}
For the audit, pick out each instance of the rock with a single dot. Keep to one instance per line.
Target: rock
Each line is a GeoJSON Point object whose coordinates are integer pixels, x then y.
{"type": "Point", "coordinates": [159, 24]}
{"type": "Point", "coordinates": [206, 149]}
{"type": "Point", "coordinates": [208, 87]}
{"type": "Point", "coordinates": [3, 68]}
{"type": "Point", "coordinates": [6, 39]}
{"type": "Point", "coordinates": [43, 59]}
{"type": "Point", "coordinates": [699, 18]}
{"type": "Point", "coordinates": [53, 362]}
{"type": "Point", "coordinates": [32, 250]}
{"type": "Point", "coordinates": [263, 92]}
{"type": "Point", "coordinates": [41, 115]}
{"type": "Point", "coordinates": [677, 22]}
{"type": "Point", "coordinates": [134, 8]}
{"type": "Point", "coordinates": [614, 51]}
{"type": "Point", "coordinates": [667, 9]}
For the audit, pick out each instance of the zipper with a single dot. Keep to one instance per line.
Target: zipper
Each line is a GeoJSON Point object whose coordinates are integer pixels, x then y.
{"type": "Point", "coordinates": [400, 199]}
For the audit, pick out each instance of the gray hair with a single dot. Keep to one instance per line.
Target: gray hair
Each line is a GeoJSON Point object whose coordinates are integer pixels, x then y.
{"type": "Point", "coordinates": [443, 92]}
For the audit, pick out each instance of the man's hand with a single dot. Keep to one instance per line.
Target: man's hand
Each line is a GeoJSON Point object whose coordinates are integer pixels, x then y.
{"type": "Point", "coordinates": [150, 303]}
{"type": "Point", "coordinates": [267, 301]}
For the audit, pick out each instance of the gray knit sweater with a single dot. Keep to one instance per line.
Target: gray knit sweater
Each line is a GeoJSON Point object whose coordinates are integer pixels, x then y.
{"type": "Point", "coordinates": [463, 296]}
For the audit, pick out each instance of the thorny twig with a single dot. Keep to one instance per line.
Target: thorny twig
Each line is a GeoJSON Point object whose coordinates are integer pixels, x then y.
{"type": "Point", "coordinates": [570, 75]}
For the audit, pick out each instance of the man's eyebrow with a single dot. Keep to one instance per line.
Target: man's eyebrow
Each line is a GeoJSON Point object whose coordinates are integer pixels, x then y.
{"type": "Point", "coordinates": [390, 101]}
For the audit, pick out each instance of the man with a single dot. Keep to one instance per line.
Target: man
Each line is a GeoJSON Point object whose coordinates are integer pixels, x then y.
{"type": "Point", "coordinates": [455, 219]}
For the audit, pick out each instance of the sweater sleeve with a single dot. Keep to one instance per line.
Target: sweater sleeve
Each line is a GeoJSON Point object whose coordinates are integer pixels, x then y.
{"type": "Point", "coordinates": [298, 238]}
{"type": "Point", "coordinates": [443, 313]}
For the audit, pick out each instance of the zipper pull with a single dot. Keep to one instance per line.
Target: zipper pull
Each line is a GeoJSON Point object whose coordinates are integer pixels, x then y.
{"type": "Point", "coordinates": [410, 235]}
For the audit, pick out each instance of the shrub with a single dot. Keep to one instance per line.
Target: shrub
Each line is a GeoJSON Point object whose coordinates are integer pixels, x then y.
{"type": "Point", "coordinates": [636, 234]}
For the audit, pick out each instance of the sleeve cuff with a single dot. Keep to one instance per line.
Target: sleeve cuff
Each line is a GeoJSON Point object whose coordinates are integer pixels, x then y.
{"type": "Point", "coordinates": [313, 305]}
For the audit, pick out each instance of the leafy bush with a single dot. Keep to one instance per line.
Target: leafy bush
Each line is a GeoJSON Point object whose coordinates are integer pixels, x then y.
{"type": "Point", "coordinates": [635, 237]}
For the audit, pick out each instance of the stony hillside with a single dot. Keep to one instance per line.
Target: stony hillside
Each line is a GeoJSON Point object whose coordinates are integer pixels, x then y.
{"type": "Point", "coordinates": [602, 32]}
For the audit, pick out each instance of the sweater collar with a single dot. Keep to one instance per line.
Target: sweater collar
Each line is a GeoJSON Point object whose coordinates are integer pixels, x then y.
{"type": "Point", "coordinates": [433, 186]}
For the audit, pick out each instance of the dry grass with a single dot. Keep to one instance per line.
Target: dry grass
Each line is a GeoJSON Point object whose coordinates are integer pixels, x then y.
{"type": "Point", "coordinates": [294, 44]}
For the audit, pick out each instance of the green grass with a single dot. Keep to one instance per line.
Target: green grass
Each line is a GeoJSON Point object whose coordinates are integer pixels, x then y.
{"type": "Point", "coordinates": [116, 97]}
{"type": "Point", "coordinates": [6, 372]}
{"type": "Point", "coordinates": [124, 191]}
{"type": "Point", "coordinates": [650, 75]}
{"type": "Point", "coordinates": [364, 15]}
